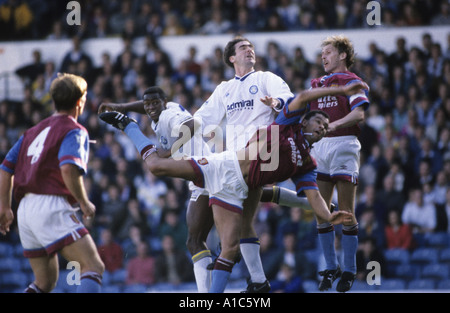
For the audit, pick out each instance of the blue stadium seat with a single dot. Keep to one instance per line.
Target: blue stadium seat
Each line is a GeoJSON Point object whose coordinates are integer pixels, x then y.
{"type": "Point", "coordinates": [118, 276]}
{"type": "Point", "coordinates": [392, 284]}
{"type": "Point", "coordinates": [10, 264]}
{"type": "Point", "coordinates": [111, 289]}
{"type": "Point", "coordinates": [5, 249]}
{"type": "Point", "coordinates": [424, 256]}
{"type": "Point", "coordinates": [135, 288]}
{"type": "Point", "coordinates": [421, 284]}
{"type": "Point", "coordinates": [435, 271]}
{"type": "Point", "coordinates": [310, 285]}
{"type": "Point", "coordinates": [437, 240]}
{"type": "Point", "coordinates": [396, 256]}
{"type": "Point", "coordinates": [444, 256]}
{"type": "Point", "coordinates": [15, 279]}
{"type": "Point", "coordinates": [363, 286]}
{"type": "Point", "coordinates": [444, 284]}
{"type": "Point", "coordinates": [407, 271]}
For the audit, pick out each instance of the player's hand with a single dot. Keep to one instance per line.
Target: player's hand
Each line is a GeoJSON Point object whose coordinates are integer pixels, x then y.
{"type": "Point", "coordinates": [356, 87]}
{"type": "Point", "coordinates": [6, 219]}
{"type": "Point", "coordinates": [274, 103]}
{"type": "Point", "coordinates": [340, 217]}
{"type": "Point", "coordinates": [88, 210]}
{"type": "Point", "coordinates": [104, 107]}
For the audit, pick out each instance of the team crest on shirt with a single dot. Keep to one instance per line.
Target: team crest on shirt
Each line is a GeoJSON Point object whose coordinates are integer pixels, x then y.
{"type": "Point", "coordinates": [163, 140]}
{"type": "Point", "coordinates": [202, 161]}
{"type": "Point", "coordinates": [253, 89]}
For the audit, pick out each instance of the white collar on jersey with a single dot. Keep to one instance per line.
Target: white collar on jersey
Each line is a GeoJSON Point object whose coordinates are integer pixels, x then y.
{"type": "Point", "coordinates": [244, 77]}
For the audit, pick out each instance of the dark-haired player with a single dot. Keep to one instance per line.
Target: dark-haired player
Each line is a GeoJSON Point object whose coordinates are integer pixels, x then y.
{"type": "Point", "coordinates": [275, 153]}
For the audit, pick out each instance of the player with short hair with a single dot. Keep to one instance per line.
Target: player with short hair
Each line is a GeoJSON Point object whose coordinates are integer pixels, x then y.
{"type": "Point", "coordinates": [43, 170]}
{"type": "Point", "coordinates": [228, 176]}
{"type": "Point", "coordinates": [337, 157]}
{"type": "Point", "coordinates": [251, 99]}
{"type": "Point", "coordinates": [179, 136]}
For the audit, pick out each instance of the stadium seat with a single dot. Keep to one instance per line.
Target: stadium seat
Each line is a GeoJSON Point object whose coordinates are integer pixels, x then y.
{"type": "Point", "coordinates": [392, 284]}
{"type": "Point", "coordinates": [444, 256]}
{"type": "Point", "coordinates": [421, 284]}
{"type": "Point", "coordinates": [111, 289]}
{"type": "Point", "coordinates": [363, 286]}
{"type": "Point", "coordinates": [5, 249]}
{"type": "Point", "coordinates": [424, 256]}
{"type": "Point", "coordinates": [310, 285]}
{"type": "Point", "coordinates": [15, 280]}
{"type": "Point", "coordinates": [135, 288]}
{"type": "Point", "coordinates": [396, 256]}
{"type": "Point", "coordinates": [437, 240]}
{"type": "Point", "coordinates": [119, 276]}
{"type": "Point", "coordinates": [444, 284]}
{"type": "Point", "coordinates": [407, 271]}
{"type": "Point", "coordinates": [435, 271]}
{"type": "Point", "coordinates": [10, 264]}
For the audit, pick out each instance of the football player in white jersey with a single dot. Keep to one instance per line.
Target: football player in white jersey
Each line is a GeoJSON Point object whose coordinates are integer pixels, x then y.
{"type": "Point", "coordinates": [168, 119]}
{"type": "Point", "coordinates": [245, 103]}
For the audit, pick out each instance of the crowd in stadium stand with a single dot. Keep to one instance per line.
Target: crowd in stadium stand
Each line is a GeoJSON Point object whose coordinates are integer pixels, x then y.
{"type": "Point", "coordinates": [403, 192]}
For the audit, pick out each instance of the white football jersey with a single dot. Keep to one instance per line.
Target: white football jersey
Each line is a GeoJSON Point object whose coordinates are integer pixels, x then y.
{"type": "Point", "coordinates": [236, 104]}
{"type": "Point", "coordinates": [169, 127]}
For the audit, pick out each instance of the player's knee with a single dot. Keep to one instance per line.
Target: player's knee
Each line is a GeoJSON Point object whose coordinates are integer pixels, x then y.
{"type": "Point", "coordinates": [156, 169]}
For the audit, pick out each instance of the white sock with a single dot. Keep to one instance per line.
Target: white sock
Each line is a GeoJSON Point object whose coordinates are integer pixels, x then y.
{"type": "Point", "coordinates": [202, 275]}
{"type": "Point", "coordinates": [250, 253]}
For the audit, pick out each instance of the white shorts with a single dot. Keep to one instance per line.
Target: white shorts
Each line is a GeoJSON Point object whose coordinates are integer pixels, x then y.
{"type": "Point", "coordinates": [337, 158]}
{"type": "Point", "coordinates": [196, 192]}
{"type": "Point", "coordinates": [222, 178]}
{"type": "Point", "coordinates": [46, 224]}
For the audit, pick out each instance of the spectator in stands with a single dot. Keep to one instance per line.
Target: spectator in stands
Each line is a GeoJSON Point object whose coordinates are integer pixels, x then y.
{"type": "Point", "coordinates": [287, 281]}
{"type": "Point", "coordinates": [110, 251]}
{"type": "Point", "coordinates": [173, 225]}
{"type": "Point", "coordinates": [217, 24]}
{"type": "Point", "coordinates": [75, 56]}
{"type": "Point", "coordinates": [141, 268]}
{"type": "Point", "coordinates": [172, 264]}
{"type": "Point", "coordinates": [420, 216]}
{"type": "Point", "coordinates": [398, 235]}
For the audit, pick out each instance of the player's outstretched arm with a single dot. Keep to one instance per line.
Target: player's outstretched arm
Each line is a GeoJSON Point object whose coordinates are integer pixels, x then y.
{"type": "Point", "coordinates": [306, 96]}
{"type": "Point", "coordinates": [6, 213]}
{"type": "Point", "coordinates": [320, 209]}
{"type": "Point", "coordinates": [136, 106]}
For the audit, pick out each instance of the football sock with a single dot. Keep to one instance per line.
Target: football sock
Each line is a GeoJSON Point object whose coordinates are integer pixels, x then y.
{"type": "Point", "coordinates": [220, 275]}
{"type": "Point", "coordinates": [32, 288]}
{"type": "Point", "coordinates": [250, 248]}
{"type": "Point", "coordinates": [289, 198]}
{"type": "Point", "coordinates": [326, 239]}
{"type": "Point", "coordinates": [349, 247]}
{"type": "Point", "coordinates": [91, 282]}
{"type": "Point", "coordinates": [136, 136]}
{"type": "Point", "coordinates": [202, 275]}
